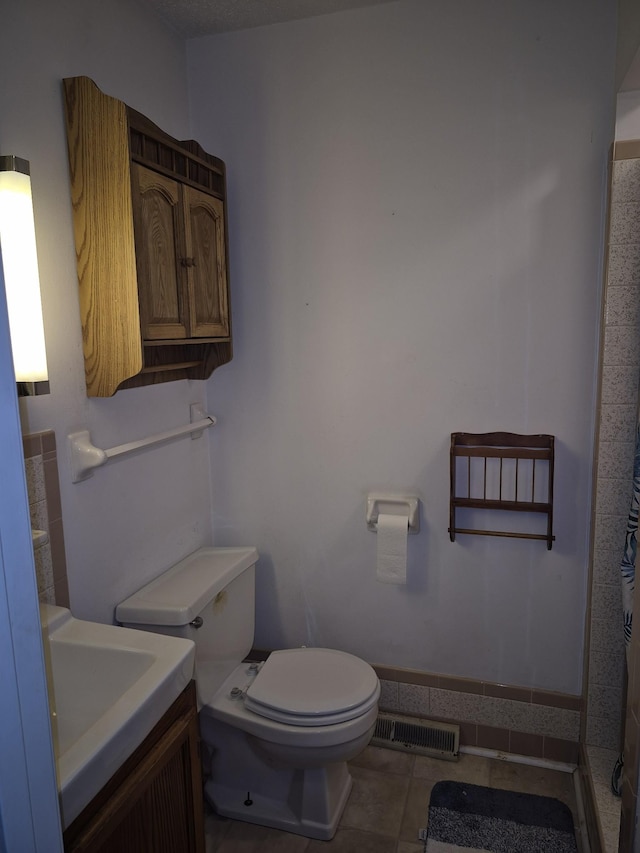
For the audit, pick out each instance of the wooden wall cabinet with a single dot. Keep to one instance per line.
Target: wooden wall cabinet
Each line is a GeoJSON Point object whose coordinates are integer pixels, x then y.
{"type": "Point", "coordinates": [153, 804]}
{"type": "Point", "coordinates": [151, 245]}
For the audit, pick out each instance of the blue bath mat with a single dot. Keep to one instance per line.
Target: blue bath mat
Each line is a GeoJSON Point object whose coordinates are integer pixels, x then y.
{"type": "Point", "coordinates": [470, 817]}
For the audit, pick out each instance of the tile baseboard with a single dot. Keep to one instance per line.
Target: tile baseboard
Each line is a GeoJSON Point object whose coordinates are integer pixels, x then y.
{"type": "Point", "coordinates": [522, 721]}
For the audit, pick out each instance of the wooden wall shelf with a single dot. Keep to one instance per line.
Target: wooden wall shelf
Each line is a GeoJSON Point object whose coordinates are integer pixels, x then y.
{"type": "Point", "coordinates": [502, 471]}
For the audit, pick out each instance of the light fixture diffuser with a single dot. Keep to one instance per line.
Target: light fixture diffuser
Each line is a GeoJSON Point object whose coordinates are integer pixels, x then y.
{"type": "Point", "coordinates": [20, 265]}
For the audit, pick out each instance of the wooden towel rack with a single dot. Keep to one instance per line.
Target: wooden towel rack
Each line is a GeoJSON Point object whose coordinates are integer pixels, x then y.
{"type": "Point", "coordinates": [482, 479]}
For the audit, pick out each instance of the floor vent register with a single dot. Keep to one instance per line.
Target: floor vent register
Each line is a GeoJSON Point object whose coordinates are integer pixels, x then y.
{"type": "Point", "coordinates": [420, 736]}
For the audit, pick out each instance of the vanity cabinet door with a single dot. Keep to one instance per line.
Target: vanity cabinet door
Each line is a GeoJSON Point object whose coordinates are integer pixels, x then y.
{"type": "Point", "coordinates": [160, 256]}
{"type": "Point", "coordinates": [153, 804]}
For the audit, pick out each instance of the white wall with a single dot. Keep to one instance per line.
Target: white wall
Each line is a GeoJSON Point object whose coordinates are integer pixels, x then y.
{"type": "Point", "coordinates": [142, 514]}
{"type": "Point", "coordinates": [628, 42]}
{"type": "Point", "coordinates": [416, 214]}
{"type": "Point", "coordinates": [628, 115]}
{"type": "Point", "coordinates": [416, 218]}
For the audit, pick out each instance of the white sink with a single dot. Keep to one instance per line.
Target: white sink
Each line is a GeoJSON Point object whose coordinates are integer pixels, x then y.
{"type": "Point", "coordinates": [108, 687]}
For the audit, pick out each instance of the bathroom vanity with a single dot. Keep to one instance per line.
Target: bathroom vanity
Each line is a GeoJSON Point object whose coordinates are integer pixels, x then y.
{"type": "Point", "coordinates": [153, 803]}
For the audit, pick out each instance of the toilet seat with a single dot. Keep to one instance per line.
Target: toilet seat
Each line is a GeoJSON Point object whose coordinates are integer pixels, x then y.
{"type": "Point", "coordinates": [312, 687]}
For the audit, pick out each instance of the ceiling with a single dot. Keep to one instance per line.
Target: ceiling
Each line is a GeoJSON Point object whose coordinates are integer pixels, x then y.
{"type": "Point", "coordinates": [193, 18]}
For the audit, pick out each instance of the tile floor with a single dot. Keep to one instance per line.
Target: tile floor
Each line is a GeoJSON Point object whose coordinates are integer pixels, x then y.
{"type": "Point", "coordinates": [389, 803]}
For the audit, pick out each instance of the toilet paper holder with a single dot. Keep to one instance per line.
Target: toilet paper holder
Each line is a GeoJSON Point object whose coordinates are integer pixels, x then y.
{"type": "Point", "coordinates": [382, 504]}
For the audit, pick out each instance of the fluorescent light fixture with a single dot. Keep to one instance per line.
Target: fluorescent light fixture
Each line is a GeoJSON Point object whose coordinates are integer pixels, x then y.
{"type": "Point", "coordinates": [20, 265]}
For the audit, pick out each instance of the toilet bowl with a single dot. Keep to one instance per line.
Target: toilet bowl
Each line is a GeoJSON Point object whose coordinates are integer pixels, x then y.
{"type": "Point", "coordinates": [277, 761]}
{"type": "Point", "coordinates": [277, 734]}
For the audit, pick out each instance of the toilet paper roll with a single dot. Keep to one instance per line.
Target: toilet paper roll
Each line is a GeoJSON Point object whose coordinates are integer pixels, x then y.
{"type": "Point", "coordinates": [392, 549]}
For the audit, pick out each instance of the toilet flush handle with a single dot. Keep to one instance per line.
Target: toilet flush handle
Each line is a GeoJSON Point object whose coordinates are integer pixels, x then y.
{"type": "Point", "coordinates": [198, 622]}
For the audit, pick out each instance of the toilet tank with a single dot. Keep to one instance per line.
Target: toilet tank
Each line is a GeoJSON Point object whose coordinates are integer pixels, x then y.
{"type": "Point", "coordinates": [209, 597]}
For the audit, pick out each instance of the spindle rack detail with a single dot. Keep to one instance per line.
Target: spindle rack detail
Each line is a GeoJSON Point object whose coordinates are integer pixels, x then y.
{"type": "Point", "coordinates": [502, 471]}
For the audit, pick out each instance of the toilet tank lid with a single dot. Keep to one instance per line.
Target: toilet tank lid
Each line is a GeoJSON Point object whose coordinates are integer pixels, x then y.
{"type": "Point", "coordinates": [178, 595]}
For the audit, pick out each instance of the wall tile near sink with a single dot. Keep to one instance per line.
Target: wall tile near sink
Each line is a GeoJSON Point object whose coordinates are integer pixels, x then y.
{"type": "Point", "coordinates": [44, 574]}
{"type": "Point", "coordinates": [43, 487]}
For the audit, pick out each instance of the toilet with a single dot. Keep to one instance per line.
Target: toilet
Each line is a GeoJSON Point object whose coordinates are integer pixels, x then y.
{"type": "Point", "coordinates": [277, 734]}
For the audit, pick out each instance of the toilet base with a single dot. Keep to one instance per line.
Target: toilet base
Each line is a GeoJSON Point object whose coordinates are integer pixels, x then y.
{"type": "Point", "coordinates": [316, 800]}
{"type": "Point", "coordinates": [308, 801]}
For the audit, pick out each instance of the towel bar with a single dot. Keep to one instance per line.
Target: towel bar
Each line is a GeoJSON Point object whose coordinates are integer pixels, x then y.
{"type": "Point", "coordinates": [85, 456]}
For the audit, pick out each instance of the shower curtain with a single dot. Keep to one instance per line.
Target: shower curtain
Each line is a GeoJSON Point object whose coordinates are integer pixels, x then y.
{"type": "Point", "coordinates": [628, 571]}
{"type": "Point", "coordinates": [628, 565]}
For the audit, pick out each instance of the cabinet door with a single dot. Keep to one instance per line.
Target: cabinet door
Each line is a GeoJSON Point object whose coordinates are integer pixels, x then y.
{"type": "Point", "coordinates": [206, 266]}
{"type": "Point", "coordinates": [153, 804]}
{"type": "Point", "coordinates": [158, 816]}
{"type": "Point", "coordinates": [160, 264]}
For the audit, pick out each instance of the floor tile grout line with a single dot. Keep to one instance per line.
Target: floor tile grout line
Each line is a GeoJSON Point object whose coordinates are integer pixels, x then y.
{"type": "Point", "coordinates": [406, 801]}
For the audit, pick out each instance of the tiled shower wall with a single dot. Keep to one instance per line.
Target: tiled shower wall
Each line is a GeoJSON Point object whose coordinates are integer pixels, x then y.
{"type": "Point", "coordinates": [615, 451]}
{"type": "Point", "coordinates": [615, 446]}
{"type": "Point", "coordinates": [41, 465]}
{"type": "Point", "coordinates": [628, 233]}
